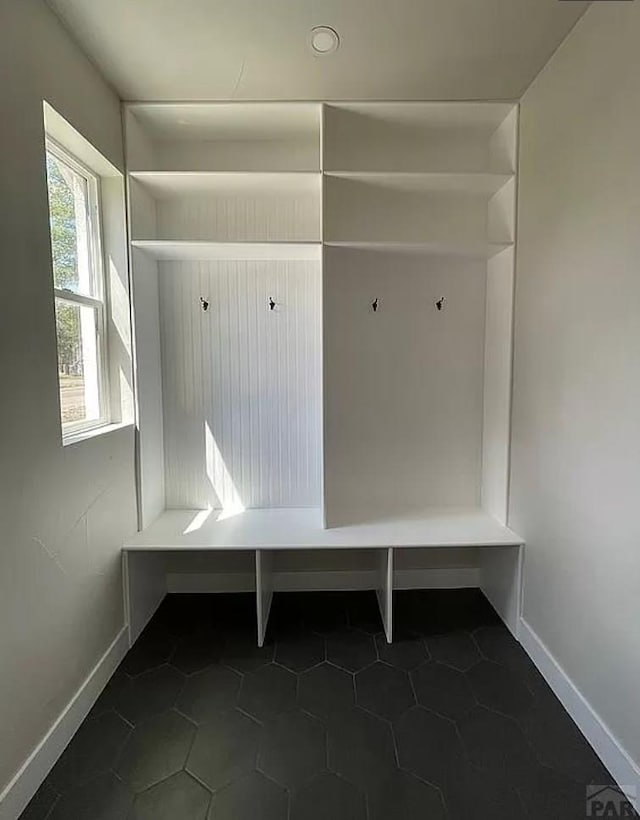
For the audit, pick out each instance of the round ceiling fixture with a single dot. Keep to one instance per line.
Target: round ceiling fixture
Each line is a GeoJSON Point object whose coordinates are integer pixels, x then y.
{"type": "Point", "coordinates": [324, 40]}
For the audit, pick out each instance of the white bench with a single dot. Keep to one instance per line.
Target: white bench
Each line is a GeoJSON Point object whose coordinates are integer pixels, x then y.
{"type": "Point", "coordinates": [206, 551]}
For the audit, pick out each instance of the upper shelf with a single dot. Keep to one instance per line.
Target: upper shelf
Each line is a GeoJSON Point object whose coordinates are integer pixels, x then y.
{"type": "Point", "coordinates": [462, 248]}
{"type": "Point", "coordinates": [472, 137]}
{"type": "Point", "coordinates": [162, 184]}
{"type": "Point", "coordinates": [485, 116]}
{"type": "Point", "coordinates": [167, 251]}
{"type": "Point", "coordinates": [417, 181]}
{"type": "Point", "coordinates": [227, 120]}
{"type": "Point", "coordinates": [223, 136]}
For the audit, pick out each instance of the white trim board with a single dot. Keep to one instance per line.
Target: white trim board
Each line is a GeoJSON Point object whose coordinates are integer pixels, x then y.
{"type": "Point", "coordinates": [624, 770]}
{"type": "Point", "coordinates": [323, 581]}
{"type": "Point", "coordinates": [37, 766]}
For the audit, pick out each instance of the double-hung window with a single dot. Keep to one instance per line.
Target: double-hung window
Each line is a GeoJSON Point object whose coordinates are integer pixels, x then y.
{"type": "Point", "coordinates": [79, 289]}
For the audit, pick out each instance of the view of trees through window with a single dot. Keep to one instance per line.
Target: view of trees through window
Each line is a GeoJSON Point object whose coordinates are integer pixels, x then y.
{"type": "Point", "coordinates": [77, 294]}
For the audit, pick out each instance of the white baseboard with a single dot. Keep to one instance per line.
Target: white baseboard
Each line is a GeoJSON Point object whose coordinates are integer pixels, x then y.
{"type": "Point", "coordinates": [625, 771]}
{"type": "Point", "coordinates": [37, 766]}
{"type": "Point", "coordinates": [347, 580]}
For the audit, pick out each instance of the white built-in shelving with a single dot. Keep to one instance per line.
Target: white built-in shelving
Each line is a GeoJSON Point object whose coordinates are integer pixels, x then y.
{"type": "Point", "coordinates": [167, 251]}
{"type": "Point", "coordinates": [350, 374]}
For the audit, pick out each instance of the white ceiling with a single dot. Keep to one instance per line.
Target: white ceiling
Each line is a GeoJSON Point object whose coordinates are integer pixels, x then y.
{"type": "Point", "coordinates": [258, 49]}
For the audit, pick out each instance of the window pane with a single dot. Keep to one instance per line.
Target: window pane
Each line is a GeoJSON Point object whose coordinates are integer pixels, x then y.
{"type": "Point", "coordinates": [70, 227]}
{"type": "Point", "coordinates": [78, 363]}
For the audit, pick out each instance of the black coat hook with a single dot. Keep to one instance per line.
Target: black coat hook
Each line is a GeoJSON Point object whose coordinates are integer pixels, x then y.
{"type": "Point", "coordinates": [374, 305]}
{"type": "Point", "coordinates": [204, 303]}
{"type": "Point", "coordinates": [440, 303]}
{"type": "Point", "coordinates": [272, 304]}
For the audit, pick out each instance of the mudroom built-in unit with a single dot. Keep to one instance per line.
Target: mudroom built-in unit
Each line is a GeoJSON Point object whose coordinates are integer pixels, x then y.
{"type": "Point", "coordinates": [323, 299]}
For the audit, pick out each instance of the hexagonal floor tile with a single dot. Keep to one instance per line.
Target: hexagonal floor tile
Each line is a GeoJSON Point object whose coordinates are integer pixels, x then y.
{"type": "Point", "coordinates": [548, 793]}
{"type": "Point", "coordinates": [268, 692]}
{"type": "Point", "coordinates": [150, 693]}
{"type": "Point", "coordinates": [443, 690]}
{"type": "Point", "coordinates": [197, 651]}
{"type": "Point", "coordinates": [559, 743]}
{"type": "Point", "coordinates": [299, 652]}
{"type": "Point", "coordinates": [496, 687]}
{"type": "Point", "coordinates": [209, 692]}
{"type": "Point", "coordinates": [385, 690]}
{"type": "Point", "coordinates": [102, 798]}
{"type": "Point", "coordinates": [108, 699]}
{"type": "Point", "coordinates": [476, 794]}
{"type": "Point", "coordinates": [498, 644]}
{"type": "Point", "coordinates": [406, 651]}
{"type": "Point", "coordinates": [360, 747]}
{"type": "Point", "coordinates": [404, 796]}
{"type": "Point", "coordinates": [328, 796]}
{"type": "Point", "coordinates": [178, 797]}
{"type": "Point", "coordinates": [250, 798]}
{"type": "Point", "coordinates": [456, 649]}
{"type": "Point", "coordinates": [351, 649]}
{"type": "Point", "coordinates": [156, 749]}
{"type": "Point", "coordinates": [293, 749]}
{"type": "Point", "coordinates": [93, 750]}
{"type": "Point", "coordinates": [325, 690]}
{"type": "Point", "coordinates": [243, 654]}
{"type": "Point", "coordinates": [153, 648]}
{"type": "Point", "coordinates": [225, 749]}
{"type": "Point", "coordinates": [496, 744]}
{"type": "Point", "coordinates": [428, 746]}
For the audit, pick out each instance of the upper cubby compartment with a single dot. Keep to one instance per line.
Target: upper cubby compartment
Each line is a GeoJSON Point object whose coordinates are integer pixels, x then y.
{"type": "Point", "coordinates": [467, 214]}
{"type": "Point", "coordinates": [420, 137]}
{"type": "Point", "coordinates": [223, 136]}
{"type": "Point", "coordinates": [225, 206]}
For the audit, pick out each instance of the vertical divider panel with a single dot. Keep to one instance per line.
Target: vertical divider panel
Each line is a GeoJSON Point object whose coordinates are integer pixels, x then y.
{"type": "Point", "coordinates": [264, 591]}
{"type": "Point", "coordinates": [144, 587]}
{"type": "Point", "coordinates": [323, 329]}
{"type": "Point", "coordinates": [384, 590]}
{"type": "Point", "coordinates": [498, 352]}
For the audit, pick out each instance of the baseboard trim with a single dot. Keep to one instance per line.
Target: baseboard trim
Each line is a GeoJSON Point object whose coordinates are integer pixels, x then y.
{"type": "Point", "coordinates": [324, 580]}
{"type": "Point", "coordinates": [610, 751]}
{"type": "Point", "coordinates": [37, 766]}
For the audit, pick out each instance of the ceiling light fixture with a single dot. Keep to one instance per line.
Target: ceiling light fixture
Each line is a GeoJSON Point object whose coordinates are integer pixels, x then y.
{"type": "Point", "coordinates": [324, 40]}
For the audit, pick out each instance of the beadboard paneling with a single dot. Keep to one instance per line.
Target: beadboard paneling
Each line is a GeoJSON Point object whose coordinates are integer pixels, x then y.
{"type": "Point", "coordinates": [235, 218]}
{"type": "Point", "coordinates": [241, 383]}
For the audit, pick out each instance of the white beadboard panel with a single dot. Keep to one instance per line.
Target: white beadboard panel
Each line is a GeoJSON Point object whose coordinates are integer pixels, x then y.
{"type": "Point", "coordinates": [283, 213]}
{"type": "Point", "coordinates": [403, 385]}
{"type": "Point", "coordinates": [241, 383]}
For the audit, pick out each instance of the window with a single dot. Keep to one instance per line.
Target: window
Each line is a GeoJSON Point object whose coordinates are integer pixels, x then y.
{"type": "Point", "coordinates": [79, 288]}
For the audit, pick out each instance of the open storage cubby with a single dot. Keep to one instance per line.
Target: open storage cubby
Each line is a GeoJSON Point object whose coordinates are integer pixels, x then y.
{"type": "Point", "coordinates": [323, 314]}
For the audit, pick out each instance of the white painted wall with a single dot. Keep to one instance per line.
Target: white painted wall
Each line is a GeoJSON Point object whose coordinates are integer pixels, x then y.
{"type": "Point", "coordinates": [64, 511]}
{"type": "Point", "coordinates": [576, 421]}
{"type": "Point", "coordinates": [404, 385]}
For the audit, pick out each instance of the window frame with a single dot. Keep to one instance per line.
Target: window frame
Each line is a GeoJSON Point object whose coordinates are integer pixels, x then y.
{"type": "Point", "coordinates": [98, 301]}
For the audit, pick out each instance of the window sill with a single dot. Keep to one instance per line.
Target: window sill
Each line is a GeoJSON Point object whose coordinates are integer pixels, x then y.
{"type": "Point", "coordinates": [95, 432]}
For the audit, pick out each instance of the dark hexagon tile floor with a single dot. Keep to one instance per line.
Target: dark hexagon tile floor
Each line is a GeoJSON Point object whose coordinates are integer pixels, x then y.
{"type": "Point", "coordinates": [451, 722]}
